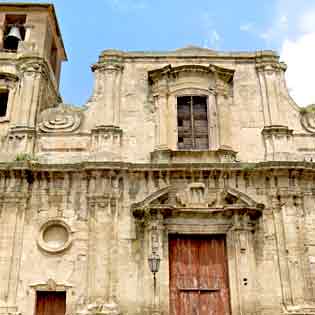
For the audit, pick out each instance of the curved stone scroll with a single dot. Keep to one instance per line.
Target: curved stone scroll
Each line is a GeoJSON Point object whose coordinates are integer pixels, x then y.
{"type": "Point", "coordinates": [64, 118]}
{"type": "Point", "coordinates": [308, 118]}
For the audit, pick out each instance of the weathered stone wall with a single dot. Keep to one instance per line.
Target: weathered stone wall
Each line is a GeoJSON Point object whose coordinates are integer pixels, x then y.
{"type": "Point", "coordinates": [88, 194]}
{"type": "Point", "coordinates": [268, 227]}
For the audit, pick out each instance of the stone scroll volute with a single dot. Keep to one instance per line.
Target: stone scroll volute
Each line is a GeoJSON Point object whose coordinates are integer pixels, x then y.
{"type": "Point", "coordinates": [61, 119]}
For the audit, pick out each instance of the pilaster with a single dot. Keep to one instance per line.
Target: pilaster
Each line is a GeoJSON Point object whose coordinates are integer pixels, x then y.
{"type": "Point", "coordinates": [21, 140]}
{"type": "Point", "coordinates": [241, 236]}
{"type": "Point", "coordinates": [33, 73]}
{"type": "Point", "coordinates": [269, 71]}
{"type": "Point", "coordinates": [13, 207]}
{"type": "Point", "coordinates": [106, 93]}
{"type": "Point", "coordinates": [106, 138]}
{"type": "Point", "coordinates": [278, 143]}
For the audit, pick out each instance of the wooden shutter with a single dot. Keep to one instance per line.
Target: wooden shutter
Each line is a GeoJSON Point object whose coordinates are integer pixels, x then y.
{"type": "Point", "coordinates": [50, 303]}
{"type": "Point", "coordinates": [192, 123]}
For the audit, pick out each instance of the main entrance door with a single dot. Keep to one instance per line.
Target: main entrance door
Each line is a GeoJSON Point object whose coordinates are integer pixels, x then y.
{"type": "Point", "coordinates": [50, 303]}
{"type": "Point", "coordinates": [198, 275]}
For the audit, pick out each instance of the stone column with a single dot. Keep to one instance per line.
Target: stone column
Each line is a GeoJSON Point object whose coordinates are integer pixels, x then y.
{"type": "Point", "coordinates": [155, 246]}
{"type": "Point", "coordinates": [162, 124]}
{"type": "Point", "coordinates": [281, 249]}
{"type": "Point", "coordinates": [1, 34]}
{"type": "Point", "coordinates": [106, 93]}
{"type": "Point", "coordinates": [269, 74]}
{"type": "Point", "coordinates": [13, 209]}
{"type": "Point", "coordinates": [214, 142]}
{"type": "Point", "coordinates": [221, 98]}
{"type": "Point", "coordinates": [98, 259]}
{"type": "Point", "coordinates": [110, 91]}
{"type": "Point", "coordinates": [244, 259]}
{"type": "Point", "coordinates": [291, 213]}
{"type": "Point", "coordinates": [31, 75]}
{"type": "Point", "coordinates": [278, 143]}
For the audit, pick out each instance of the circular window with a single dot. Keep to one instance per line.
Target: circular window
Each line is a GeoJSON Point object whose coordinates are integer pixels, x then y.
{"type": "Point", "coordinates": [54, 236]}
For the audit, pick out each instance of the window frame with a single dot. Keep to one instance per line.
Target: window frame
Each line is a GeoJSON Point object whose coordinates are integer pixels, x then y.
{"type": "Point", "coordinates": [7, 92]}
{"type": "Point", "coordinates": [193, 137]}
{"type": "Point", "coordinates": [8, 82]}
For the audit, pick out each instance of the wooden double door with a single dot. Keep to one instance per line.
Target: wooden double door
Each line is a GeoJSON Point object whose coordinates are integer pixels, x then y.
{"type": "Point", "coordinates": [50, 303]}
{"type": "Point", "coordinates": [198, 275]}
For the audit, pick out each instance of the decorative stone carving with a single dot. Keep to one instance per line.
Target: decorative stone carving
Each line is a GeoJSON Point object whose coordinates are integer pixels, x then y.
{"type": "Point", "coordinates": [8, 80]}
{"type": "Point", "coordinates": [96, 308]}
{"type": "Point", "coordinates": [51, 285]}
{"type": "Point", "coordinates": [31, 65]}
{"type": "Point", "coordinates": [54, 236]}
{"type": "Point", "coordinates": [308, 118]}
{"type": "Point", "coordinates": [278, 142]}
{"type": "Point", "coordinates": [193, 195]}
{"type": "Point", "coordinates": [222, 154]}
{"type": "Point", "coordinates": [11, 310]}
{"type": "Point", "coordinates": [194, 198]}
{"type": "Point", "coordinates": [192, 50]}
{"type": "Point", "coordinates": [64, 118]}
{"type": "Point", "coordinates": [20, 139]}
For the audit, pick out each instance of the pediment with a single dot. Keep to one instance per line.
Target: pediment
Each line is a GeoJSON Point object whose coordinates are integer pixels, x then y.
{"type": "Point", "coordinates": [168, 71]}
{"type": "Point", "coordinates": [196, 197]}
{"type": "Point", "coordinates": [195, 50]}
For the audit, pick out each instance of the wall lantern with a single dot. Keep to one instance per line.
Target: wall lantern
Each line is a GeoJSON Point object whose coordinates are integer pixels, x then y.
{"type": "Point", "coordinates": [154, 265]}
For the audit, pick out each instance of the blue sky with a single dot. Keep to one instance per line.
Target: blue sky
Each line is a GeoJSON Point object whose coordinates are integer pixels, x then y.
{"type": "Point", "coordinates": [88, 27]}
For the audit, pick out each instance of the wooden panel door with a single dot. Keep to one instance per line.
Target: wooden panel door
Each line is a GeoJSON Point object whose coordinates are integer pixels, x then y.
{"type": "Point", "coordinates": [198, 275]}
{"type": "Point", "coordinates": [50, 303]}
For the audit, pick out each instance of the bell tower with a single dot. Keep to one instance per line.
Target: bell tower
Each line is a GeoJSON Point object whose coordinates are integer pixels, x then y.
{"type": "Point", "coordinates": [31, 53]}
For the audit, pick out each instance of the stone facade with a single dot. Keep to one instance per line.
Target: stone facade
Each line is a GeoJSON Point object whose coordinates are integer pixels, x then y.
{"type": "Point", "coordinates": [88, 193]}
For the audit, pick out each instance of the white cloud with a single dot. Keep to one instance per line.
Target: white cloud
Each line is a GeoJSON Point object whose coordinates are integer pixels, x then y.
{"type": "Point", "coordinates": [299, 55]}
{"type": "Point", "coordinates": [276, 30]}
{"type": "Point", "coordinates": [292, 30]}
{"type": "Point", "coordinates": [246, 27]}
{"type": "Point", "coordinates": [307, 22]}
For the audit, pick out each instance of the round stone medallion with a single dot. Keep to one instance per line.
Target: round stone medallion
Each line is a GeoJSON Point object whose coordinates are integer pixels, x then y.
{"type": "Point", "coordinates": [54, 236]}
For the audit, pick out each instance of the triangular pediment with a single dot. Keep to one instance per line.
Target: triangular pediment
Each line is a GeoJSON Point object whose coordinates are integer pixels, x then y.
{"type": "Point", "coordinates": [196, 196]}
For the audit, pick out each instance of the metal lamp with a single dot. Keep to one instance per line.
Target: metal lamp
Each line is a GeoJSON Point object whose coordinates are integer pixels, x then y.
{"type": "Point", "coordinates": [154, 263]}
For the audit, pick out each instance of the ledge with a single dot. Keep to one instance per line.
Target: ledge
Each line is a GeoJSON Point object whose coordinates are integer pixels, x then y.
{"type": "Point", "coordinates": [224, 154]}
{"type": "Point", "coordinates": [278, 130]}
{"type": "Point", "coordinates": [135, 167]}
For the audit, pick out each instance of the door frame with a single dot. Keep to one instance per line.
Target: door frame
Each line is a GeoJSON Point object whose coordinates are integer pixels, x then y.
{"type": "Point", "coordinates": [36, 299]}
{"type": "Point", "coordinates": [209, 236]}
{"type": "Point", "coordinates": [240, 258]}
{"type": "Point", "coordinates": [218, 211]}
{"type": "Point", "coordinates": [50, 285]}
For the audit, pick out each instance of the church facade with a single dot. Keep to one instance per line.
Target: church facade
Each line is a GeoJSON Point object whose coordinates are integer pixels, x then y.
{"type": "Point", "coordinates": [185, 185]}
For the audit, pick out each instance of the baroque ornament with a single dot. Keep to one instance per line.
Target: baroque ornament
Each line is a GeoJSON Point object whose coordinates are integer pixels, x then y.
{"type": "Point", "coordinates": [308, 118]}
{"type": "Point", "coordinates": [64, 118]}
{"type": "Point", "coordinates": [54, 236]}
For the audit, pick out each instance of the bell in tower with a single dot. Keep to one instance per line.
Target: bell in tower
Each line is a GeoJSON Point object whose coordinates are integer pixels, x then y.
{"type": "Point", "coordinates": [13, 38]}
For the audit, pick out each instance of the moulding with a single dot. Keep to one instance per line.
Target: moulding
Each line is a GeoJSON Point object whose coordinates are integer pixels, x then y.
{"type": "Point", "coordinates": [44, 244]}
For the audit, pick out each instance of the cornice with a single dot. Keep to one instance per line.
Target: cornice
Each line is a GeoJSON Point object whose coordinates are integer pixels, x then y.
{"type": "Point", "coordinates": [188, 52]}
{"type": "Point", "coordinates": [138, 167]}
{"type": "Point", "coordinates": [277, 130]}
{"type": "Point", "coordinates": [225, 74]}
